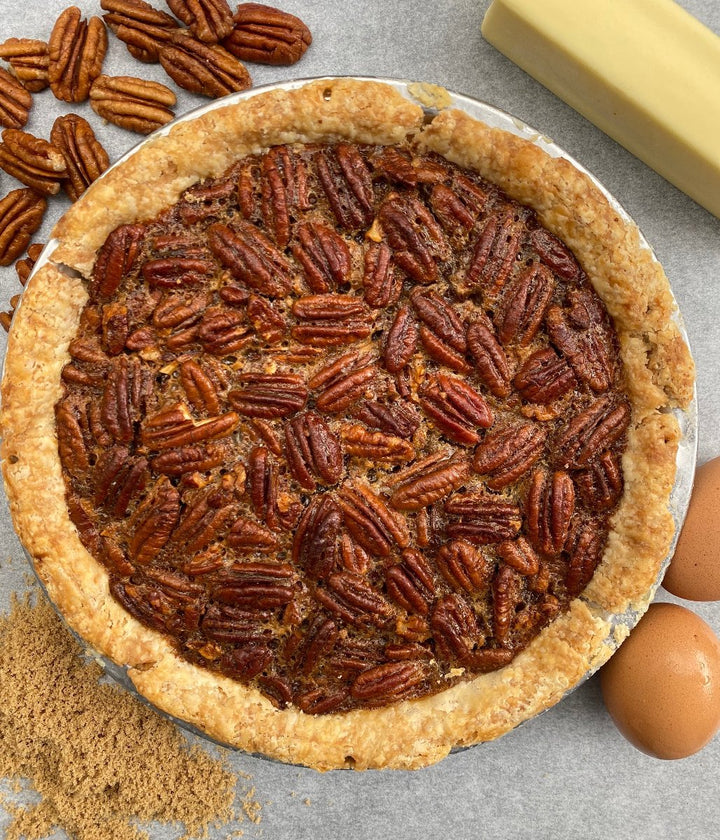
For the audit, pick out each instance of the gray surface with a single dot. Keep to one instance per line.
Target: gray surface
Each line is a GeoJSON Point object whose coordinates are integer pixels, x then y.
{"type": "Point", "coordinates": [568, 773]}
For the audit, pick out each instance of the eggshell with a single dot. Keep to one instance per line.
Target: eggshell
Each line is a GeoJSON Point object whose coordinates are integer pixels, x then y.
{"type": "Point", "coordinates": [662, 687]}
{"type": "Point", "coordinates": [694, 572]}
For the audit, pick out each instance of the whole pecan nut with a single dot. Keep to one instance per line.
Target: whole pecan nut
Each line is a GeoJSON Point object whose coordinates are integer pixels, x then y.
{"type": "Point", "coordinates": [29, 60]}
{"type": "Point", "coordinates": [85, 157]}
{"type": "Point", "coordinates": [132, 103]}
{"type": "Point", "coordinates": [140, 26]}
{"type": "Point", "coordinates": [76, 50]}
{"type": "Point", "coordinates": [32, 160]}
{"type": "Point", "coordinates": [21, 214]}
{"type": "Point", "coordinates": [15, 101]}
{"type": "Point", "coordinates": [265, 35]}
{"type": "Point", "coordinates": [207, 69]}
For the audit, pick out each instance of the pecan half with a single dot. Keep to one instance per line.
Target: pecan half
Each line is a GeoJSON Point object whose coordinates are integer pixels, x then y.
{"type": "Point", "coordinates": [251, 257]}
{"type": "Point", "coordinates": [140, 26]}
{"type": "Point", "coordinates": [208, 20]}
{"type": "Point", "coordinates": [268, 395]}
{"type": "Point", "coordinates": [411, 584]}
{"type": "Point", "coordinates": [33, 161]}
{"type": "Point", "coordinates": [585, 546]}
{"type": "Point", "coordinates": [29, 60]}
{"type": "Point", "coordinates": [316, 546]}
{"type": "Point", "coordinates": [323, 255]}
{"type": "Point", "coordinates": [417, 240]}
{"type": "Point", "coordinates": [429, 480]}
{"type": "Point", "coordinates": [456, 408]}
{"type": "Point", "coordinates": [189, 459]}
{"type": "Point", "coordinates": [85, 157]}
{"type": "Point", "coordinates": [381, 279]}
{"type": "Point", "coordinates": [258, 586]}
{"type": "Point", "coordinates": [458, 206]}
{"type": "Point", "coordinates": [283, 189]}
{"type": "Point", "coordinates": [15, 101]}
{"type": "Point", "coordinates": [21, 214]}
{"type": "Point", "coordinates": [522, 306]}
{"type": "Point", "coordinates": [581, 333]}
{"type": "Point", "coordinates": [347, 183]}
{"type": "Point", "coordinates": [520, 555]}
{"type": "Point", "coordinates": [313, 451]}
{"type": "Point", "coordinates": [268, 323]}
{"type": "Point", "coordinates": [481, 518]}
{"type": "Point", "coordinates": [206, 69]}
{"type": "Point", "coordinates": [544, 377]}
{"type": "Point", "coordinates": [399, 418]}
{"type": "Point", "coordinates": [119, 478]}
{"type": "Point", "coordinates": [247, 536]}
{"type": "Point", "coordinates": [506, 591]}
{"type": "Point", "coordinates": [489, 357]}
{"type": "Point", "coordinates": [223, 332]}
{"type": "Point", "coordinates": [76, 51]}
{"type": "Point", "coordinates": [200, 389]}
{"type": "Point", "coordinates": [330, 320]}
{"type": "Point", "coordinates": [550, 505]}
{"type": "Point", "coordinates": [464, 566]}
{"type": "Point", "coordinates": [115, 259]}
{"type": "Point", "coordinates": [265, 35]}
{"type": "Point", "coordinates": [442, 332]}
{"type": "Point", "coordinates": [590, 432]}
{"type": "Point", "coordinates": [343, 381]}
{"type": "Point", "coordinates": [554, 254]}
{"type": "Point", "coordinates": [131, 103]}
{"type": "Point", "coordinates": [376, 446]}
{"type": "Point", "coordinates": [494, 255]}
{"type": "Point", "coordinates": [455, 628]}
{"type": "Point", "coordinates": [504, 455]}
{"type": "Point", "coordinates": [353, 599]}
{"type": "Point", "coordinates": [174, 427]}
{"type": "Point", "coordinates": [390, 683]}
{"type": "Point", "coordinates": [601, 484]}
{"type": "Point", "coordinates": [153, 522]}
{"type": "Point", "coordinates": [371, 522]}
{"type": "Point", "coordinates": [401, 342]}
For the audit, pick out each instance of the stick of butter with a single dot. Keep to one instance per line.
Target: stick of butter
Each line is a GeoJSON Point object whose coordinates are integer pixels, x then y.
{"type": "Point", "coordinates": [646, 72]}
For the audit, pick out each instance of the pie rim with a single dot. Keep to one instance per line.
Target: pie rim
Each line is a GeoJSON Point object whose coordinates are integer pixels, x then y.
{"type": "Point", "coordinates": [411, 733]}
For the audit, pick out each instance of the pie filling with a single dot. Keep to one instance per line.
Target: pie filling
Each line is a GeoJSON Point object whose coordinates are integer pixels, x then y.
{"type": "Point", "coordinates": [345, 424]}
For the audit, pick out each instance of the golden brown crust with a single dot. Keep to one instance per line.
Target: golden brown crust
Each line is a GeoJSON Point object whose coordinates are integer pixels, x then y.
{"type": "Point", "coordinates": [412, 733]}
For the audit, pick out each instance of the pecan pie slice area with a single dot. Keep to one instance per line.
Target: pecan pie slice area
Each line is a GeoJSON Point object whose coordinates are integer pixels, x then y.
{"type": "Point", "coordinates": [345, 428]}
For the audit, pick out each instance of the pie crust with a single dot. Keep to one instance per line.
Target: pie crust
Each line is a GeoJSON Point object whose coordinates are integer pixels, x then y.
{"type": "Point", "coordinates": [410, 733]}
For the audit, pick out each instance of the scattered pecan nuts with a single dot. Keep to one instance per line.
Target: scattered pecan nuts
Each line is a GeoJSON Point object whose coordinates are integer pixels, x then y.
{"type": "Point", "coordinates": [76, 50]}
{"type": "Point", "coordinates": [21, 214]}
{"type": "Point", "coordinates": [207, 69]}
{"type": "Point", "coordinates": [132, 103]}
{"type": "Point", "coordinates": [85, 157]}
{"type": "Point", "coordinates": [265, 35]}
{"type": "Point", "coordinates": [29, 60]}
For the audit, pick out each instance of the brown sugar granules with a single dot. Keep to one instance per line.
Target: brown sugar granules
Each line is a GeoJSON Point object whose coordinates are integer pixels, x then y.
{"type": "Point", "coordinates": [100, 760]}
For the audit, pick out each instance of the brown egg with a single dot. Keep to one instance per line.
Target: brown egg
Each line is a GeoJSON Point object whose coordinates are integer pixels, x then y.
{"type": "Point", "coordinates": [694, 571]}
{"type": "Point", "coordinates": [662, 687]}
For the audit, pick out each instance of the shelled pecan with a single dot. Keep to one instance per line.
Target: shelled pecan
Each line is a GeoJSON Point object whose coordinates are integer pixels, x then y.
{"type": "Point", "coordinates": [142, 27]}
{"type": "Point", "coordinates": [207, 69]}
{"type": "Point", "coordinates": [265, 35]}
{"type": "Point", "coordinates": [35, 162]}
{"type": "Point", "coordinates": [21, 214]}
{"type": "Point", "coordinates": [132, 103]}
{"type": "Point", "coordinates": [85, 157]}
{"type": "Point", "coordinates": [29, 60]}
{"type": "Point", "coordinates": [76, 51]}
{"type": "Point", "coordinates": [15, 101]}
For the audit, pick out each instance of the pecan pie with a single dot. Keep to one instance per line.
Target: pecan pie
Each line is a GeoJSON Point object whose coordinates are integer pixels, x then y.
{"type": "Point", "coordinates": [347, 431]}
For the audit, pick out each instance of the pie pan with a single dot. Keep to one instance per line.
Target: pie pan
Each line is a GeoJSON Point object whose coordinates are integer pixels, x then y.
{"type": "Point", "coordinates": [612, 618]}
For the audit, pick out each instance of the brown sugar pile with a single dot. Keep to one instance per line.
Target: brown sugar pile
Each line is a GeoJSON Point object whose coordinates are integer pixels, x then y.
{"type": "Point", "coordinates": [100, 760]}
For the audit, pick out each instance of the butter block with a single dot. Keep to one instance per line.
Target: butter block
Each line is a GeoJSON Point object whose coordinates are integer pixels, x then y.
{"type": "Point", "coordinates": [646, 72]}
